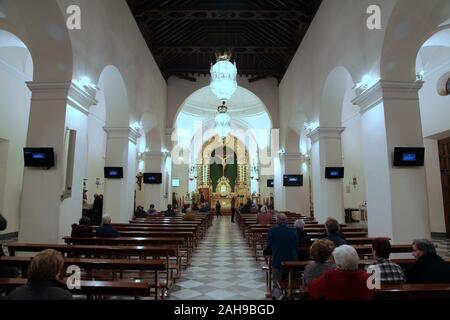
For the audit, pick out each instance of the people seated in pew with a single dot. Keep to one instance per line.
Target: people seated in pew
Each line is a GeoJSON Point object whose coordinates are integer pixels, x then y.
{"type": "Point", "coordinates": [282, 240]}
{"type": "Point", "coordinates": [304, 241]}
{"type": "Point", "coordinates": [140, 212]}
{"type": "Point", "coordinates": [6, 271]}
{"type": "Point", "coordinates": [333, 232]}
{"type": "Point", "coordinates": [106, 229]}
{"type": "Point", "coordinates": [82, 229]}
{"type": "Point", "coordinates": [189, 215]}
{"type": "Point", "coordinates": [152, 211]}
{"type": "Point", "coordinates": [264, 217]}
{"type": "Point", "coordinates": [43, 273]}
{"type": "Point", "coordinates": [389, 272]}
{"type": "Point", "coordinates": [204, 207]}
{"type": "Point", "coordinates": [347, 282]}
{"type": "Point", "coordinates": [169, 212]}
{"type": "Point", "coordinates": [429, 267]}
{"type": "Point", "coordinates": [320, 253]}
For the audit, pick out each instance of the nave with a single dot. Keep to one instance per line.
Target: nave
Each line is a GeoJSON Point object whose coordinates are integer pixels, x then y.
{"type": "Point", "coordinates": [223, 268]}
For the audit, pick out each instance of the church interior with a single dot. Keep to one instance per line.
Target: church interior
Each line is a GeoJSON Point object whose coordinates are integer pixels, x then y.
{"type": "Point", "coordinates": [143, 144]}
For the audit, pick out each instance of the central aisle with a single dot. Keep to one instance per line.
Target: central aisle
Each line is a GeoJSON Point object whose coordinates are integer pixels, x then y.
{"type": "Point", "coordinates": [222, 268]}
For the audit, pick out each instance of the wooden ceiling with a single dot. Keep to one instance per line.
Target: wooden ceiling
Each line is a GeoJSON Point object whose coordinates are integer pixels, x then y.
{"type": "Point", "coordinates": [183, 35]}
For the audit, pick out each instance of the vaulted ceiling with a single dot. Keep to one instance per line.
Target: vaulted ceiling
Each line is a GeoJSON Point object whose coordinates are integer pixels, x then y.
{"type": "Point", "coordinates": [183, 35]}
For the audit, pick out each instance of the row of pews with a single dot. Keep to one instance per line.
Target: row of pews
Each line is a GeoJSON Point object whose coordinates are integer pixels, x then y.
{"type": "Point", "coordinates": [144, 261]}
{"type": "Point", "coordinates": [256, 236]}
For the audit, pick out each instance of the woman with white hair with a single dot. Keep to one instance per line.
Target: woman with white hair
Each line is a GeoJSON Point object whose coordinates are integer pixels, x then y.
{"type": "Point", "coordinates": [304, 241]}
{"type": "Point", "coordinates": [347, 282]}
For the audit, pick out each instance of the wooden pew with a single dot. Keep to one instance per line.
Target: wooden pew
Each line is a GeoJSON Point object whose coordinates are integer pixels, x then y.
{"type": "Point", "coordinates": [134, 241]}
{"type": "Point", "coordinates": [113, 252]}
{"type": "Point", "coordinates": [299, 266]}
{"type": "Point", "coordinates": [362, 251]}
{"type": "Point", "coordinates": [423, 291]}
{"type": "Point", "coordinates": [93, 288]}
{"type": "Point", "coordinates": [101, 264]}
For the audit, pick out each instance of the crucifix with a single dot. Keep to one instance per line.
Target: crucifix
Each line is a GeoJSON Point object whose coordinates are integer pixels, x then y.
{"type": "Point", "coordinates": [224, 157]}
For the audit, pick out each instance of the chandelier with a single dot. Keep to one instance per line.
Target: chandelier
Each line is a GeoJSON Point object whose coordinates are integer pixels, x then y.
{"type": "Point", "coordinates": [223, 121]}
{"type": "Point", "coordinates": [223, 76]}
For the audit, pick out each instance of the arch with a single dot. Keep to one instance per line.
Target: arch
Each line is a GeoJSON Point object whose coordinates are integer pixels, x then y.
{"type": "Point", "coordinates": [47, 40]}
{"type": "Point", "coordinates": [212, 102]}
{"type": "Point", "coordinates": [406, 32]}
{"type": "Point", "coordinates": [338, 82]}
{"type": "Point", "coordinates": [16, 67]}
{"type": "Point", "coordinates": [113, 88]}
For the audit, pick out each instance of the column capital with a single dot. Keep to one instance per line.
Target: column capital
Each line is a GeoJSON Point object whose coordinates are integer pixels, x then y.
{"type": "Point", "coordinates": [387, 90]}
{"type": "Point", "coordinates": [153, 156]}
{"type": "Point", "coordinates": [48, 90]}
{"type": "Point", "coordinates": [294, 156]}
{"type": "Point", "coordinates": [122, 133]}
{"type": "Point", "coordinates": [80, 98]}
{"type": "Point", "coordinates": [325, 133]}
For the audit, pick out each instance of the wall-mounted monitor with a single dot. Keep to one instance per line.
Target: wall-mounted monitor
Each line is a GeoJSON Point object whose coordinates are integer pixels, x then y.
{"type": "Point", "coordinates": [409, 157]}
{"type": "Point", "coordinates": [39, 157]}
{"type": "Point", "coordinates": [269, 183]}
{"type": "Point", "coordinates": [175, 183]}
{"type": "Point", "coordinates": [153, 178]}
{"type": "Point", "coordinates": [113, 172]}
{"type": "Point", "coordinates": [292, 180]}
{"type": "Point", "coordinates": [334, 172]}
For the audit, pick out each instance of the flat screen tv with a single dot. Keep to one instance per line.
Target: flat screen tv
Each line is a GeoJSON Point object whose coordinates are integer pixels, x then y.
{"type": "Point", "coordinates": [409, 157]}
{"type": "Point", "coordinates": [175, 183]}
{"type": "Point", "coordinates": [269, 183]}
{"type": "Point", "coordinates": [39, 157]}
{"type": "Point", "coordinates": [113, 172]}
{"type": "Point", "coordinates": [153, 178]}
{"type": "Point", "coordinates": [334, 172]}
{"type": "Point", "coordinates": [292, 180]}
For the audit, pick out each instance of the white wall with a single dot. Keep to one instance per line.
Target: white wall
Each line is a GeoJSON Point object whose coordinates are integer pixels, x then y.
{"type": "Point", "coordinates": [14, 113]}
{"type": "Point", "coordinates": [71, 208]}
{"type": "Point", "coordinates": [353, 163]}
{"type": "Point", "coordinates": [434, 186]}
{"type": "Point", "coordinates": [96, 144]}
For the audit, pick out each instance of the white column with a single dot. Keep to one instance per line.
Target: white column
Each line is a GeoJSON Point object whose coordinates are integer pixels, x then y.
{"type": "Point", "coordinates": [397, 203]}
{"type": "Point", "coordinates": [154, 193]}
{"type": "Point", "coordinates": [328, 195]}
{"type": "Point", "coordinates": [42, 189]}
{"type": "Point", "coordinates": [121, 151]}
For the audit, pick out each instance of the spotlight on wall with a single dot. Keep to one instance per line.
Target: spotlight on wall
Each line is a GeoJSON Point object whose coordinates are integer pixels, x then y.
{"type": "Point", "coordinates": [136, 126]}
{"type": "Point", "coordinates": [281, 151]}
{"type": "Point", "coordinates": [419, 76]}
{"type": "Point", "coordinates": [366, 82]}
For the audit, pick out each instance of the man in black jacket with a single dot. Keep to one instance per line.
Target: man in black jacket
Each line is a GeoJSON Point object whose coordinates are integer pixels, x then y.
{"type": "Point", "coordinates": [429, 267]}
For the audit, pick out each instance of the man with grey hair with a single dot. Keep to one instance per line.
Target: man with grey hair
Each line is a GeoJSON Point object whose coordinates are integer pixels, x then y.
{"type": "Point", "coordinates": [106, 229]}
{"type": "Point", "coordinates": [283, 241]}
{"type": "Point", "coordinates": [429, 267]}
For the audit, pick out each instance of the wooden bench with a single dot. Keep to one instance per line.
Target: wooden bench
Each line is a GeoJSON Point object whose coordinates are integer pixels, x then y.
{"type": "Point", "coordinates": [102, 264]}
{"type": "Point", "coordinates": [92, 288]}
{"type": "Point", "coordinates": [299, 266]}
{"type": "Point", "coordinates": [423, 291]}
{"type": "Point", "coordinates": [113, 252]}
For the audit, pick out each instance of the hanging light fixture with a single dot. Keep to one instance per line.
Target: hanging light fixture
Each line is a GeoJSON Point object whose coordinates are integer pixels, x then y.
{"type": "Point", "coordinates": [223, 76]}
{"type": "Point", "coordinates": [223, 121]}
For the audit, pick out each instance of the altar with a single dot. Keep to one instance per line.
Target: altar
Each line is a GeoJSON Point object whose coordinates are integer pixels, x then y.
{"type": "Point", "coordinates": [223, 172]}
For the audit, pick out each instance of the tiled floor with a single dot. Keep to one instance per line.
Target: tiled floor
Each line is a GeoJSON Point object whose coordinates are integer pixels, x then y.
{"type": "Point", "coordinates": [222, 268]}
